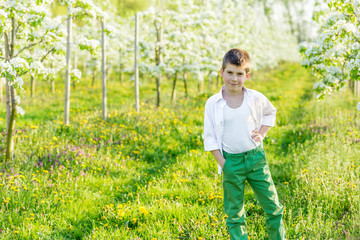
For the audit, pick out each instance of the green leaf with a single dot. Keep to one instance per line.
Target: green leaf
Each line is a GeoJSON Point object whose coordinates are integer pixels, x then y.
{"type": "Point", "coordinates": [350, 10]}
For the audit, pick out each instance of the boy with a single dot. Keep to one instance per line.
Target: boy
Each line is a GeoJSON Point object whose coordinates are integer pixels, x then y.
{"type": "Point", "coordinates": [235, 123]}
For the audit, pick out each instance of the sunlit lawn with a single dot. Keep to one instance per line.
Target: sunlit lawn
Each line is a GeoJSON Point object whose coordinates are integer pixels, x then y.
{"type": "Point", "coordinates": [146, 176]}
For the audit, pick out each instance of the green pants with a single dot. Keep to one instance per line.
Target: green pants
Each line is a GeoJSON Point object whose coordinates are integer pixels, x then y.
{"type": "Point", "coordinates": [250, 166]}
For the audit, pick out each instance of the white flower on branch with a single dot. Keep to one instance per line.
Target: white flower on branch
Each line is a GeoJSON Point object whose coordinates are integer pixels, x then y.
{"type": "Point", "coordinates": [19, 82]}
{"type": "Point", "coordinates": [7, 69]}
{"type": "Point", "coordinates": [20, 111]}
{"type": "Point", "coordinates": [75, 75]}
{"type": "Point", "coordinates": [17, 99]}
{"type": "Point", "coordinates": [19, 63]}
{"type": "Point", "coordinates": [358, 106]}
{"type": "Point", "coordinates": [3, 15]}
{"type": "Point", "coordinates": [88, 44]}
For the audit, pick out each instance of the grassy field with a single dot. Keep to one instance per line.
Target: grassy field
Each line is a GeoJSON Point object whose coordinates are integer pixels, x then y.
{"type": "Point", "coordinates": [146, 176]}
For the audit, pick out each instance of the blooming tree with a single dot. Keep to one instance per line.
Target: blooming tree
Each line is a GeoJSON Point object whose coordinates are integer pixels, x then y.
{"type": "Point", "coordinates": [31, 36]}
{"type": "Point", "coordinates": [84, 10]}
{"type": "Point", "coordinates": [334, 57]}
{"type": "Point", "coordinates": [25, 25]}
{"type": "Point", "coordinates": [196, 37]}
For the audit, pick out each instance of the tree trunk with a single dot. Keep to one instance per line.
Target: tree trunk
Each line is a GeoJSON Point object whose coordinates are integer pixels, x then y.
{"type": "Point", "coordinates": [74, 67]}
{"type": "Point", "coordinates": [11, 125]}
{"type": "Point", "coordinates": [201, 87]}
{"type": "Point", "coordinates": [291, 24]}
{"type": "Point", "coordinates": [103, 70]}
{"type": "Point", "coordinates": [184, 79]}
{"type": "Point", "coordinates": [120, 68]}
{"type": "Point", "coordinates": [33, 83]}
{"type": "Point", "coordinates": [173, 92]}
{"type": "Point", "coordinates": [68, 66]}
{"type": "Point", "coordinates": [137, 106]}
{"type": "Point", "coordinates": [357, 88]}
{"type": "Point", "coordinates": [10, 96]}
{"type": "Point", "coordinates": [210, 80]}
{"type": "Point", "coordinates": [1, 89]}
{"type": "Point", "coordinates": [185, 85]}
{"type": "Point", "coordinates": [52, 80]}
{"type": "Point", "coordinates": [53, 86]}
{"type": "Point", "coordinates": [351, 85]}
{"type": "Point", "coordinates": [267, 12]}
{"type": "Point", "coordinates": [93, 78]}
{"type": "Point", "coordinates": [158, 61]}
{"type": "Point", "coordinates": [7, 87]}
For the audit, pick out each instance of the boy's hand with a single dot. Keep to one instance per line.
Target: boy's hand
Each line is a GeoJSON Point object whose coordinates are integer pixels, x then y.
{"type": "Point", "coordinates": [256, 136]}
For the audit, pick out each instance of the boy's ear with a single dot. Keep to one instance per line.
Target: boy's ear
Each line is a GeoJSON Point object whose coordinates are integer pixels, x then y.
{"type": "Point", "coordinates": [247, 75]}
{"type": "Point", "coordinates": [221, 72]}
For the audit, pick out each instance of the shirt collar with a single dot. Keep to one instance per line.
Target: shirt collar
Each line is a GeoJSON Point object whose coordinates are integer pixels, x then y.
{"type": "Point", "coordinates": [220, 94]}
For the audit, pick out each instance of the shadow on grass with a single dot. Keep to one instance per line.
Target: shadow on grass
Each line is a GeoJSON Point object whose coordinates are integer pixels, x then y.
{"type": "Point", "coordinates": [80, 229]}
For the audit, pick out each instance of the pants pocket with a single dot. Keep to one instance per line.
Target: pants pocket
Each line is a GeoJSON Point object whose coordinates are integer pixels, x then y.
{"type": "Point", "coordinates": [259, 160]}
{"type": "Point", "coordinates": [225, 164]}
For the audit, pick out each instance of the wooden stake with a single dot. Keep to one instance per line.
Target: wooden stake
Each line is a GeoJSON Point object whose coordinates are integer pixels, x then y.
{"type": "Point", "coordinates": [103, 69]}
{"type": "Point", "coordinates": [137, 105]}
{"type": "Point", "coordinates": [68, 69]}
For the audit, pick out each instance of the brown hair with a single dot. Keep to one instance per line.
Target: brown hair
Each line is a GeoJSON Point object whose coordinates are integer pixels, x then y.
{"type": "Point", "coordinates": [237, 57]}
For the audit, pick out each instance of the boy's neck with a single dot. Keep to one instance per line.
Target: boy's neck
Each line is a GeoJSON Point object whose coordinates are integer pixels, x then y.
{"type": "Point", "coordinates": [234, 94]}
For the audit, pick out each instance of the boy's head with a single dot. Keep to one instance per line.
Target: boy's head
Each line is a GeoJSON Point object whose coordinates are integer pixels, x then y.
{"type": "Point", "coordinates": [237, 57]}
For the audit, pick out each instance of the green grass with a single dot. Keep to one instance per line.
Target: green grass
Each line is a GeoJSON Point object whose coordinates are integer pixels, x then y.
{"type": "Point", "coordinates": [146, 176]}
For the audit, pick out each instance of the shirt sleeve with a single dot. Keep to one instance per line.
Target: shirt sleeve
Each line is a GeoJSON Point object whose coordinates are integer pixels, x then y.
{"type": "Point", "coordinates": [210, 140]}
{"type": "Point", "coordinates": [268, 113]}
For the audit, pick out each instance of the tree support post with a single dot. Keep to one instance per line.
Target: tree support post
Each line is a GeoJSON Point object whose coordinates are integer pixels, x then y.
{"type": "Point", "coordinates": [137, 105]}
{"type": "Point", "coordinates": [103, 70]}
{"type": "Point", "coordinates": [68, 68]}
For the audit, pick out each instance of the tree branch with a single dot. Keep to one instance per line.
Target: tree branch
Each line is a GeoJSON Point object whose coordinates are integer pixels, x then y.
{"type": "Point", "coordinates": [44, 57]}
{"type": "Point", "coordinates": [29, 46]}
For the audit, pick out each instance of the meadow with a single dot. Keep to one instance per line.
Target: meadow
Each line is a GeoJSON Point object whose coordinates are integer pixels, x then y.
{"type": "Point", "coordinates": [146, 176]}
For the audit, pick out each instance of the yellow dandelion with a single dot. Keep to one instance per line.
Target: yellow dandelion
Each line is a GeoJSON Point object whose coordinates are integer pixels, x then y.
{"type": "Point", "coordinates": [143, 210]}
{"type": "Point", "coordinates": [121, 213]}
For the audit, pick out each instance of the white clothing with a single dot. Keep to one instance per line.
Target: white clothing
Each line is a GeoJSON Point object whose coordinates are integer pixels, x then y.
{"type": "Point", "coordinates": [238, 127]}
{"type": "Point", "coordinates": [261, 110]}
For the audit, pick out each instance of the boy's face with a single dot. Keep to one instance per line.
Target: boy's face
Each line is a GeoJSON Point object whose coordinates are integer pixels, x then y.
{"type": "Point", "coordinates": [234, 77]}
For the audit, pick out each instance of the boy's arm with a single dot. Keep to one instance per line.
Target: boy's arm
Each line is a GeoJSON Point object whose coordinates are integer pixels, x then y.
{"type": "Point", "coordinates": [258, 136]}
{"type": "Point", "coordinates": [268, 113]}
{"type": "Point", "coordinates": [219, 158]}
{"type": "Point", "coordinates": [210, 140]}
{"type": "Point", "coordinates": [268, 120]}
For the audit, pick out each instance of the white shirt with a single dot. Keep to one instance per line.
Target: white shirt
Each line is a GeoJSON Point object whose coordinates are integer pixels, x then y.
{"type": "Point", "coordinates": [262, 111]}
{"type": "Point", "coordinates": [238, 126]}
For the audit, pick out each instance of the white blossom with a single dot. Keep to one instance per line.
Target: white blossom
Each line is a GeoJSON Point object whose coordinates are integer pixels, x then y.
{"type": "Point", "coordinates": [90, 44]}
{"type": "Point", "coordinates": [3, 14]}
{"type": "Point", "coordinates": [19, 63]}
{"type": "Point", "coordinates": [76, 73]}
{"type": "Point", "coordinates": [19, 110]}
{"type": "Point", "coordinates": [17, 99]}
{"type": "Point", "coordinates": [19, 81]}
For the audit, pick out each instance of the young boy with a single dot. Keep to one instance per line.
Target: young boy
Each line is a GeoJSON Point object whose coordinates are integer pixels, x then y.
{"type": "Point", "coordinates": [235, 124]}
